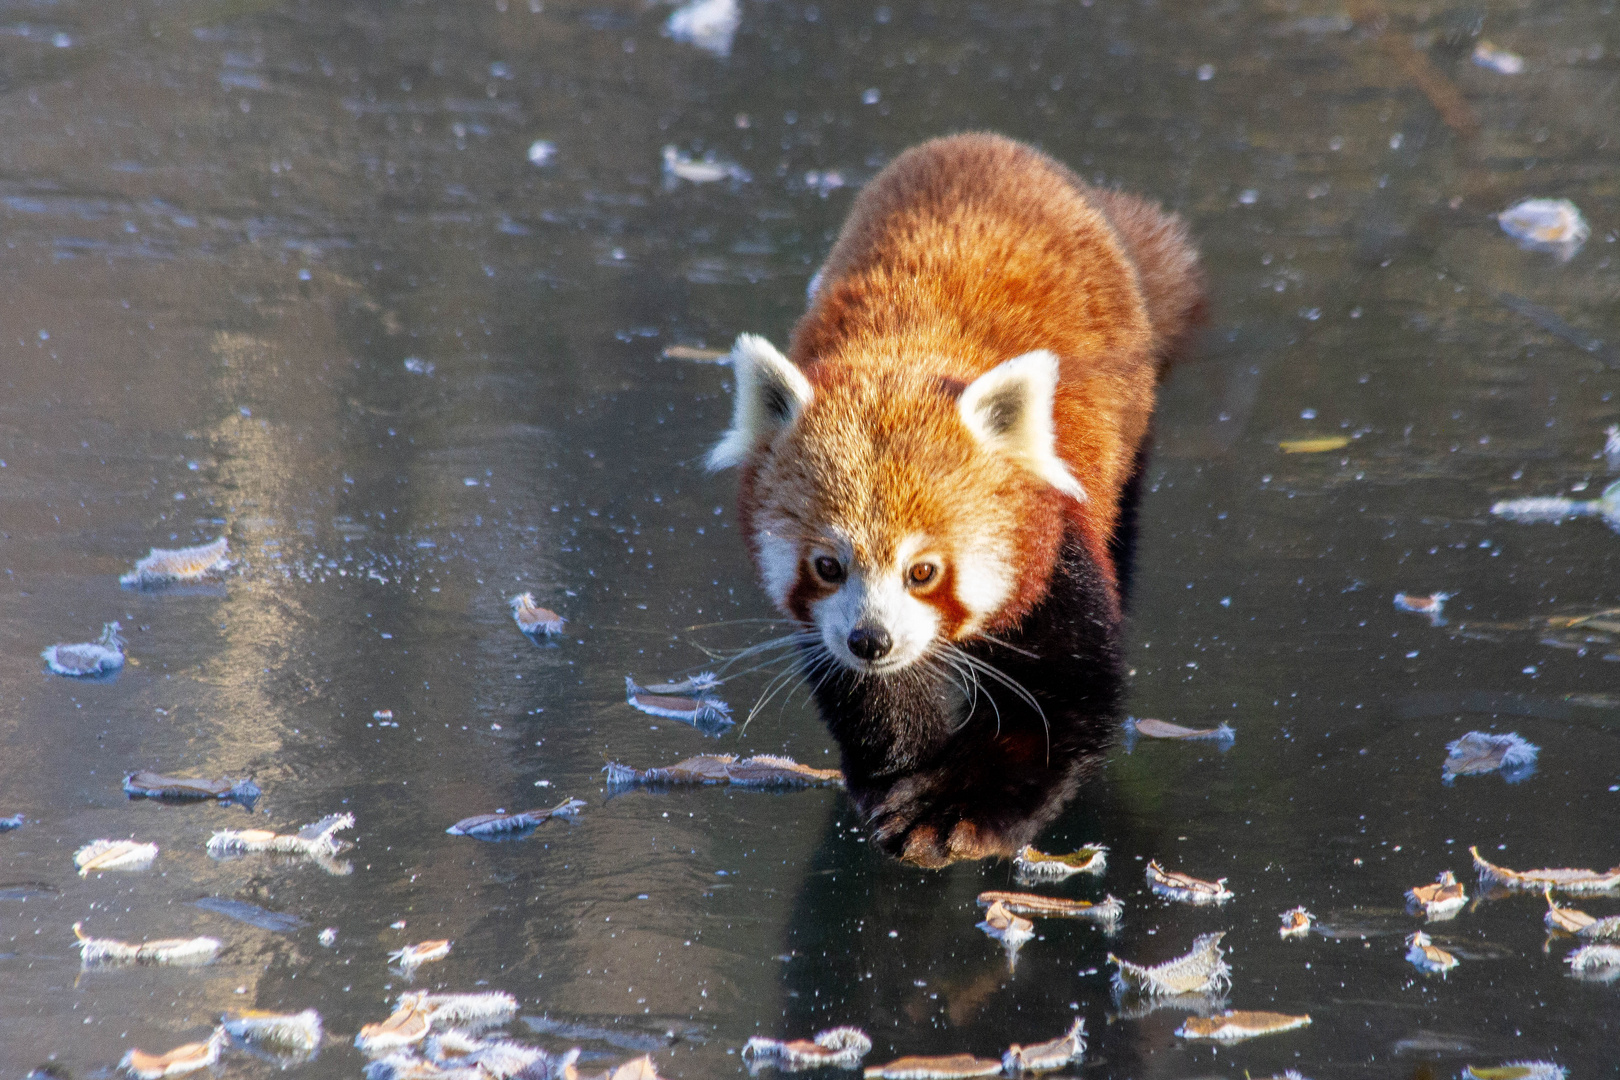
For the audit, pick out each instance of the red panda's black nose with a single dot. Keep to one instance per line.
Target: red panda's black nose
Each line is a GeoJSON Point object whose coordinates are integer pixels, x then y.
{"type": "Point", "coordinates": [870, 642]}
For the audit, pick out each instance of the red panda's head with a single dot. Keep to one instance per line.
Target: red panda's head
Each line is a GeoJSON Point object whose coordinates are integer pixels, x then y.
{"type": "Point", "coordinates": [895, 509]}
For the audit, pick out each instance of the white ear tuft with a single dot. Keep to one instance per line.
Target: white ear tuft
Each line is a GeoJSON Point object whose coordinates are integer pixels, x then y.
{"type": "Point", "coordinates": [1009, 410]}
{"type": "Point", "coordinates": [771, 392]}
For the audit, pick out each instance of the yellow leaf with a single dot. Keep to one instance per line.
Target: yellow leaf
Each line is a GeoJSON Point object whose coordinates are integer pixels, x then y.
{"type": "Point", "coordinates": [1314, 446]}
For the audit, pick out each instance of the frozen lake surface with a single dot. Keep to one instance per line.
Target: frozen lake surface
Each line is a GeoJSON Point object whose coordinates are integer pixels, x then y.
{"type": "Point", "coordinates": [380, 292]}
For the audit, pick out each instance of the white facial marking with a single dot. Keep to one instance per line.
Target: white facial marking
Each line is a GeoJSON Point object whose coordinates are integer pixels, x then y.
{"type": "Point", "coordinates": [984, 580]}
{"type": "Point", "coordinates": [778, 565]}
{"type": "Point", "coordinates": [878, 599]}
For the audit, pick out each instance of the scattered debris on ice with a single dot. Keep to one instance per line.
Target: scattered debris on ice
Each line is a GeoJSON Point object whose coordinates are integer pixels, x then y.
{"type": "Point", "coordinates": [1516, 1070]}
{"type": "Point", "coordinates": [413, 956]}
{"type": "Point", "coordinates": [316, 839]}
{"type": "Point", "coordinates": [1482, 752]}
{"type": "Point", "coordinates": [1032, 865]}
{"type": "Point", "coordinates": [1323, 445]}
{"type": "Point", "coordinates": [407, 1025]}
{"type": "Point", "coordinates": [696, 355]}
{"type": "Point", "coordinates": [708, 714]}
{"type": "Point", "coordinates": [1599, 963]}
{"type": "Point", "coordinates": [420, 1012]}
{"type": "Point", "coordinates": [1043, 1057]}
{"type": "Point", "coordinates": [469, 1010]}
{"type": "Point", "coordinates": [1009, 929]}
{"type": "Point", "coordinates": [701, 683]}
{"type": "Point", "coordinates": [1579, 923]}
{"type": "Point", "coordinates": [1296, 922]}
{"type": "Point", "coordinates": [1439, 901]}
{"type": "Point", "coordinates": [825, 182]}
{"type": "Point", "coordinates": [164, 567]}
{"type": "Point", "coordinates": [295, 1034]}
{"type": "Point", "coordinates": [950, 1067]}
{"type": "Point", "coordinates": [1201, 971]}
{"type": "Point", "coordinates": [837, 1048]}
{"type": "Point", "coordinates": [708, 24]}
{"type": "Point", "coordinates": [185, 952]}
{"type": "Point", "coordinates": [1553, 225]}
{"type": "Point", "coordinates": [151, 785]}
{"type": "Point", "coordinates": [1564, 880]}
{"type": "Point", "coordinates": [114, 855]}
{"type": "Point", "coordinates": [1105, 913]}
{"type": "Point", "coordinates": [483, 825]}
{"type": "Point", "coordinates": [1432, 605]}
{"type": "Point", "coordinates": [679, 166]}
{"type": "Point", "coordinates": [1423, 954]}
{"type": "Point", "coordinates": [542, 153]}
{"type": "Point", "coordinates": [90, 657]}
{"type": "Point", "coordinates": [1501, 61]}
{"type": "Point", "coordinates": [182, 1059]}
{"type": "Point", "coordinates": [1175, 885]}
{"type": "Point", "coordinates": [1237, 1026]}
{"type": "Point", "coordinates": [1555, 509]}
{"type": "Point", "coordinates": [762, 770]}
{"type": "Point", "coordinates": [533, 619]}
{"type": "Point", "coordinates": [1163, 729]}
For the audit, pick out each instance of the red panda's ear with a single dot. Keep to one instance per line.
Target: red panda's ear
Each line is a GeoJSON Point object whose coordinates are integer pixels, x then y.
{"type": "Point", "coordinates": [770, 394]}
{"type": "Point", "coordinates": [1009, 410]}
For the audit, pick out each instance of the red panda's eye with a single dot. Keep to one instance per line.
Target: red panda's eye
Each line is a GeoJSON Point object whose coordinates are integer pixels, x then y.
{"type": "Point", "coordinates": [921, 573]}
{"type": "Point", "coordinates": [829, 569]}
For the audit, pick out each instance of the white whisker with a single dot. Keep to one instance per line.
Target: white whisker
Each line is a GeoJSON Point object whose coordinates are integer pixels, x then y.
{"type": "Point", "coordinates": [1010, 683]}
{"type": "Point", "coordinates": [772, 688]}
{"type": "Point", "coordinates": [992, 639]}
{"type": "Point", "coordinates": [738, 622]}
{"type": "Point", "coordinates": [763, 665]}
{"type": "Point", "coordinates": [771, 645]}
{"type": "Point", "coordinates": [812, 663]}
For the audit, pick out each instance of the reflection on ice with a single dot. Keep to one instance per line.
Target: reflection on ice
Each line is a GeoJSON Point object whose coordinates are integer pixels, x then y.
{"type": "Point", "coordinates": [279, 922]}
{"type": "Point", "coordinates": [1556, 509]}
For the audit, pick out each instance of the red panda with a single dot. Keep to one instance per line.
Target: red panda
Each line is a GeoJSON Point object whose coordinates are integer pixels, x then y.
{"type": "Point", "coordinates": [937, 479]}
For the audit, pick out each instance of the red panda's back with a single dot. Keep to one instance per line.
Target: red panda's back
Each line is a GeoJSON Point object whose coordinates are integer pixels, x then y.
{"type": "Point", "coordinates": [970, 250]}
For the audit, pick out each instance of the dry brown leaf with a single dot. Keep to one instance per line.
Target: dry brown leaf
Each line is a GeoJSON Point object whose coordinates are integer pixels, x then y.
{"type": "Point", "coordinates": [1563, 879]}
{"type": "Point", "coordinates": [934, 1068]}
{"type": "Point", "coordinates": [1108, 911]}
{"type": "Point", "coordinates": [1186, 888]}
{"type": "Point", "coordinates": [1234, 1026]}
{"type": "Point", "coordinates": [1201, 971]}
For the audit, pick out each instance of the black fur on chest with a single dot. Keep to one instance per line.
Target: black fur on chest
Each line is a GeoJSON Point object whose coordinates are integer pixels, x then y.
{"type": "Point", "coordinates": [946, 749]}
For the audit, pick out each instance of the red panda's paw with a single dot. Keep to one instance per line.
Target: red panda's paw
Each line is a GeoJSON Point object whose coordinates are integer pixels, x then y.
{"type": "Point", "coordinates": [909, 826]}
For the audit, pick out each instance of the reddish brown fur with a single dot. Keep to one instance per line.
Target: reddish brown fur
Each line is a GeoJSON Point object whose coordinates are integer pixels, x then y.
{"type": "Point", "coordinates": [964, 253]}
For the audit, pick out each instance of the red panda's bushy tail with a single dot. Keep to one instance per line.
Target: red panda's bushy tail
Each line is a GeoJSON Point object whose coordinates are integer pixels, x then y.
{"type": "Point", "coordinates": [1167, 266]}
